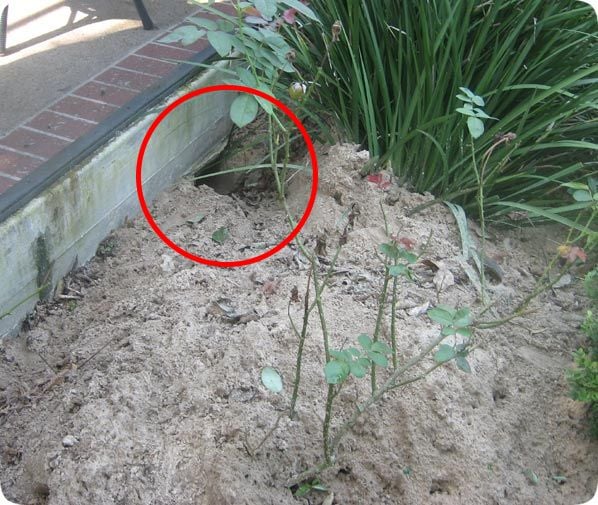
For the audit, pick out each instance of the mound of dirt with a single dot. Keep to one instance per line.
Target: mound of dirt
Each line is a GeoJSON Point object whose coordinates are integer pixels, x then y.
{"type": "Point", "coordinates": [140, 385]}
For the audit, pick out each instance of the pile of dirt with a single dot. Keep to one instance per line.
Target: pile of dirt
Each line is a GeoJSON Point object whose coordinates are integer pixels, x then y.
{"type": "Point", "coordinates": [141, 384]}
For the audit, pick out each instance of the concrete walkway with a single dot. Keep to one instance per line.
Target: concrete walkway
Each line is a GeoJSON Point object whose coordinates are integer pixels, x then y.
{"type": "Point", "coordinates": [56, 45]}
{"type": "Point", "coordinates": [71, 67]}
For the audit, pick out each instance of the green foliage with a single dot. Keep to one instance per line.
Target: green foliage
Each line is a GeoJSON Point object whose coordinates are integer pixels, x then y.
{"type": "Point", "coordinates": [453, 322]}
{"type": "Point", "coordinates": [472, 109]}
{"type": "Point", "coordinates": [220, 235]}
{"type": "Point", "coordinates": [305, 487]}
{"type": "Point", "coordinates": [391, 81]}
{"type": "Point", "coordinates": [356, 362]}
{"type": "Point", "coordinates": [583, 379]}
{"type": "Point", "coordinates": [261, 52]}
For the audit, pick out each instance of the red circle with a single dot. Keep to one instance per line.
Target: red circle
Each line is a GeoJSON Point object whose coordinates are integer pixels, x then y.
{"type": "Point", "coordinates": [314, 170]}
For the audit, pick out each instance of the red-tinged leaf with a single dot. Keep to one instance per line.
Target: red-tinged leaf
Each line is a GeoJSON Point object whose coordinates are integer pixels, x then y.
{"type": "Point", "coordinates": [252, 11]}
{"type": "Point", "coordinates": [379, 180]}
{"type": "Point", "coordinates": [407, 243]}
{"type": "Point", "coordinates": [572, 253]}
{"type": "Point", "coordinates": [289, 16]}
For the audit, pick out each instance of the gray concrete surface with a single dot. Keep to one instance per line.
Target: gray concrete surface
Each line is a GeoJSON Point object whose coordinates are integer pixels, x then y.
{"type": "Point", "coordinates": [61, 229]}
{"type": "Point", "coordinates": [56, 45]}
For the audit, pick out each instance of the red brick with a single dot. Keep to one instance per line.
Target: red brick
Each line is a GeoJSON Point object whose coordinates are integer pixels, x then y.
{"type": "Point", "coordinates": [225, 7]}
{"type": "Point", "coordinates": [6, 183]}
{"type": "Point", "coordinates": [85, 109]}
{"type": "Point", "coordinates": [105, 93]}
{"type": "Point", "coordinates": [127, 79]}
{"type": "Point", "coordinates": [32, 142]}
{"type": "Point", "coordinates": [17, 165]}
{"type": "Point", "coordinates": [163, 52]}
{"type": "Point", "coordinates": [60, 125]}
{"type": "Point", "coordinates": [146, 65]}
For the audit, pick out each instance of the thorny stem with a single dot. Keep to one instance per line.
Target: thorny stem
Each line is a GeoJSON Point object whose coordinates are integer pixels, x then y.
{"type": "Point", "coordinates": [393, 324]}
{"type": "Point", "coordinates": [326, 426]}
{"type": "Point", "coordinates": [253, 451]}
{"type": "Point", "coordinates": [306, 312]}
{"type": "Point", "coordinates": [378, 327]}
{"type": "Point", "coordinates": [390, 384]}
{"type": "Point", "coordinates": [480, 199]}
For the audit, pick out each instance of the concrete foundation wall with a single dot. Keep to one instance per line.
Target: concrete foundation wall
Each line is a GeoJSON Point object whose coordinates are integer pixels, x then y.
{"type": "Point", "coordinates": [61, 229]}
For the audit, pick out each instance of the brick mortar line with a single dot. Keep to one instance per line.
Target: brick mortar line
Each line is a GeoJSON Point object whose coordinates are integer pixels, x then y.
{"type": "Point", "coordinates": [22, 152]}
{"type": "Point", "coordinates": [143, 56]}
{"type": "Point", "coordinates": [64, 114]}
{"type": "Point", "coordinates": [93, 78]}
{"type": "Point", "coordinates": [30, 128]}
{"type": "Point", "coordinates": [11, 177]}
{"type": "Point", "coordinates": [99, 102]}
{"type": "Point", "coordinates": [172, 47]}
{"type": "Point", "coordinates": [138, 91]}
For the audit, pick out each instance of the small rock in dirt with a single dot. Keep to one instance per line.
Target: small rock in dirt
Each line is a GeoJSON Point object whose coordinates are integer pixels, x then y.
{"type": "Point", "coordinates": [167, 263]}
{"type": "Point", "coordinates": [565, 280]}
{"type": "Point", "coordinates": [443, 278]}
{"type": "Point", "coordinates": [69, 441]}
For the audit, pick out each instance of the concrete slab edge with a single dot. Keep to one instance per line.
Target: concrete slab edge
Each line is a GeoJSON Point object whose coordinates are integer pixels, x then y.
{"type": "Point", "coordinates": [61, 228]}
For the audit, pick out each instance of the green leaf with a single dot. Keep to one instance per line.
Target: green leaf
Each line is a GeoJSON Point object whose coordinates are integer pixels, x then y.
{"type": "Point", "coordinates": [220, 235]}
{"type": "Point", "coordinates": [462, 364]}
{"type": "Point", "coordinates": [339, 355]}
{"type": "Point", "coordinates": [357, 369]}
{"type": "Point", "coordinates": [476, 127]}
{"type": "Point", "coordinates": [464, 98]}
{"type": "Point", "coordinates": [336, 371]}
{"type": "Point", "coordinates": [582, 195]}
{"type": "Point", "coordinates": [221, 41]}
{"type": "Point", "coordinates": [365, 341]}
{"type": "Point", "coordinates": [380, 347]}
{"type": "Point", "coordinates": [267, 8]}
{"type": "Point", "coordinates": [409, 257]}
{"type": "Point", "coordinates": [390, 250]}
{"type": "Point", "coordinates": [481, 114]}
{"type": "Point", "coordinates": [575, 185]}
{"type": "Point", "coordinates": [478, 100]}
{"type": "Point", "coordinates": [271, 379]}
{"type": "Point", "coordinates": [467, 91]}
{"type": "Point", "coordinates": [448, 330]}
{"type": "Point", "coordinates": [462, 317]}
{"type": "Point", "coordinates": [466, 111]}
{"type": "Point", "coordinates": [243, 110]}
{"type": "Point", "coordinates": [208, 24]}
{"type": "Point", "coordinates": [442, 315]}
{"type": "Point", "coordinates": [465, 332]}
{"type": "Point", "coordinates": [246, 76]}
{"type": "Point", "coordinates": [398, 270]}
{"type": "Point", "coordinates": [197, 219]}
{"type": "Point", "coordinates": [302, 8]}
{"type": "Point", "coordinates": [531, 475]}
{"type": "Point", "coordinates": [354, 352]}
{"type": "Point", "coordinates": [184, 34]}
{"type": "Point", "coordinates": [225, 25]}
{"type": "Point", "coordinates": [444, 353]}
{"type": "Point", "coordinates": [378, 359]}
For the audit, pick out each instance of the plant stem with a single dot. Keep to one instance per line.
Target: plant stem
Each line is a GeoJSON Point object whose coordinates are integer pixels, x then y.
{"type": "Point", "coordinates": [306, 312]}
{"type": "Point", "coordinates": [383, 389]}
{"type": "Point", "coordinates": [393, 322]}
{"type": "Point", "coordinates": [381, 304]}
{"type": "Point", "coordinates": [326, 426]}
{"type": "Point", "coordinates": [480, 199]}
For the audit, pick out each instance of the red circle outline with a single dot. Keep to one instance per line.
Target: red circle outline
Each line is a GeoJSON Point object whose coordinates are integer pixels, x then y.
{"type": "Point", "coordinates": [314, 170]}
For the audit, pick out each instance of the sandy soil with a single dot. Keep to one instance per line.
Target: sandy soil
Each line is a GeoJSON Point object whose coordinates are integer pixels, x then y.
{"type": "Point", "coordinates": [141, 386]}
